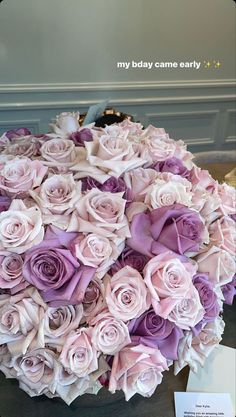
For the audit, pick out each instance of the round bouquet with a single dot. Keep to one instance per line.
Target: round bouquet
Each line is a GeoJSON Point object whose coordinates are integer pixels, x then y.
{"type": "Point", "coordinates": [116, 258]}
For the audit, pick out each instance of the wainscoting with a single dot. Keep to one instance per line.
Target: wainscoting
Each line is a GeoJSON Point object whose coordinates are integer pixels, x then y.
{"type": "Point", "coordinates": [200, 112]}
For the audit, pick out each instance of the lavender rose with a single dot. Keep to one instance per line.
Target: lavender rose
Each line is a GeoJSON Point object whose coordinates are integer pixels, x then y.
{"type": "Point", "coordinates": [229, 291]}
{"type": "Point", "coordinates": [5, 203]}
{"type": "Point", "coordinates": [154, 331]}
{"type": "Point", "coordinates": [176, 228]}
{"type": "Point", "coordinates": [131, 258]}
{"type": "Point", "coordinates": [207, 296]}
{"type": "Point", "coordinates": [173, 165]}
{"type": "Point", "coordinates": [52, 269]}
{"type": "Point", "coordinates": [81, 136]}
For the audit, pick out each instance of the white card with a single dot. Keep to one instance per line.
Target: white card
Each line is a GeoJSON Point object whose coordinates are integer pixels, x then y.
{"type": "Point", "coordinates": [218, 374]}
{"type": "Point", "coordinates": [202, 404]}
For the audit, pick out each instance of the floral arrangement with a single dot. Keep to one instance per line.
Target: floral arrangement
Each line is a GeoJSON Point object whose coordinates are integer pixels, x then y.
{"type": "Point", "coordinates": [116, 258]}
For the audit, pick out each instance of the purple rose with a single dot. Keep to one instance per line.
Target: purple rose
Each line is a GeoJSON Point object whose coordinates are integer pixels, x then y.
{"type": "Point", "coordinates": [175, 228]}
{"type": "Point", "coordinates": [5, 203]}
{"type": "Point", "coordinates": [81, 136]}
{"type": "Point", "coordinates": [53, 270]}
{"type": "Point", "coordinates": [131, 258]}
{"type": "Point", "coordinates": [229, 291]}
{"type": "Point", "coordinates": [112, 185]}
{"type": "Point", "coordinates": [173, 165]}
{"type": "Point", "coordinates": [17, 133]}
{"type": "Point", "coordinates": [154, 331]}
{"type": "Point", "coordinates": [207, 296]}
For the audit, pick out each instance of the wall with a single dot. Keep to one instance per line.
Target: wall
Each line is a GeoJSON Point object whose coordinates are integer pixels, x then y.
{"type": "Point", "coordinates": [60, 55]}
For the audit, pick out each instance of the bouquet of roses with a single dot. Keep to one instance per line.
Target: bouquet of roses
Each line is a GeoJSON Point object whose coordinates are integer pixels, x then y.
{"type": "Point", "coordinates": [116, 258]}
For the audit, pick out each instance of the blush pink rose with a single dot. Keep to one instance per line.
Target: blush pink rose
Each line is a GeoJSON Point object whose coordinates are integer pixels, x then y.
{"type": "Point", "coordinates": [27, 146]}
{"type": "Point", "coordinates": [18, 176]}
{"type": "Point", "coordinates": [20, 319]}
{"type": "Point", "coordinates": [126, 294]}
{"type": "Point", "coordinates": [188, 311]}
{"type": "Point", "coordinates": [218, 263]}
{"type": "Point", "coordinates": [37, 371]}
{"type": "Point", "coordinates": [66, 123]}
{"type": "Point", "coordinates": [96, 251]}
{"type": "Point", "coordinates": [11, 277]}
{"type": "Point", "coordinates": [169, 280]}
{"type": "Point", "coordinates": [137, 370]}
{"type": "Point", "coordinates": [94, 299]}
{"type": "Point", "coordinates": [102, 213]}
{"type": "Point", "coordinates": [78, 354]}
{"type": "Point", "coordinates": [223, 234]}
{"type": "Point", "coordinates": [138, 180]}
{"type": "Point", "coordinates": [227, 195]}
{"type": "Point", "coordinates": [113, 153]}
{"type": "Point", "coordinates": [109, 335]}
{"type": "Point", "coordinates": [20, 227]}
{"type": "Point", "coordinates": [60, 154]}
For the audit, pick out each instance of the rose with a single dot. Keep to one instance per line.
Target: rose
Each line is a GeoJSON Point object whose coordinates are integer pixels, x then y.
{"type": "Point", "coordinates": [176, 228]}
{"type": "Point", "coordinates": [57, 198]}
{"type": "Point", "coordinates": [223, 234]}
{"type": "Point", "coordinates": [126, 294]}
{"type": "Point", "coordinates": [229, 291]}
{"type": "Point", "coordinates": [138, 181]}
{"type": "Point", "coordinates": [202, 177]}
{"type": "Point", "coordinates": [207, 295]}
{"type": "Point", "coordinates": [66, 123]}
{"type": "Point", "coordinates": [228, 199]}
{"type": "Point", "coordinates": [218, 264]}
{"type": "Point", "coordinates": [59, 321]}
{"type": "Point", "coordinates": [109, 335]}
{"type": "Point", "coordinates": [169, 280]}
{"type": "Point", "coordinates": [154, 331]}
{"type": "Point", "coordinates": [112, 185]}
{"type": "Point", "coordinates": [113, 153]}
{"type": "Point", "coordinates": [168, 189]}
{"type": "Point", "coordinates": [93, 301]}
{"type": "Point", "coordinates": [52, 269]}
{"type": "Point", "coordinates": [17, 133]}
{"type": "Point", "coordinates": [188, 311]}
{"type": "Point", "coordinates": [193, 351]}
{"type": "Point", "coordinates": [131, 258]}
{"type": "Point", "coordinates": [173, 165]}
{"type": "Point", "coordinates": [18, 176]}
{"type": "Point", "coordinates": [137, 369]}
{"type": "Point", "coordinates": [5, 203]}
{"type": "Point", "coordinates": [11, 272]}
{"type": "Point", "coordinates": [20, 227]}
{"type": "Point", "coordinates": [37, 371]}
{"type": "Point", "coordinates": [20, 318]}
{"type": "Point", "coordinates": [27, 146]}
{"type": "Point", "coordinates": [102, 213]}
{"type": "Point", "coordinates": [82, 135]}
{"type": "Point", "coordinates": [60, 154]}
{"type": "Point", "coordinates": [95, 251]}
{"type": "Point", "coordinates": [78, 354]}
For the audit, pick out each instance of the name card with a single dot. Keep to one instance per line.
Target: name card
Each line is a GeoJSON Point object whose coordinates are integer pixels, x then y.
{"type": "Point", "coordinates": [197, 404]}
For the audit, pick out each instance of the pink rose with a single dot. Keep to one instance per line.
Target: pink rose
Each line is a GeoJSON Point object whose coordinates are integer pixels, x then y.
{"type": "Point", "coordinates": [169, 280]}
{"type": "Point", "coordinates": [94, 299]}
{"type": "Point", "coordinates": [96, 251]}
{"type": "Point", "coordinates": [60, 154]}
{"type": "Point", "coordinates": [56, 198]}
{"type": "Point", "coordinates": [138, 180]}
{"type": "Point", "coordinates": [113, 153]}
{"type": "Point", "coordinates": [126, 294]}
{"type": "Point", "coordinates": [66, 123]}
{"type": "Point", "coordinates": [188, 311]}
{"type": "Point", "coordinates": [20, 319]}
{"type": "Point", "coordinates": [218, 263]}
{"type": "Point", "coordinates": [27, 146]}
{"type": "Point", "coordinates": [223, 234]}
{"type": "Point", "coordinates": [59, 321]}
{"type": "Point", "coordinates": [11, 272]}
{"type": "Point", "coordinates": [102, 213]}
{"type": "Point", "coordinates": [137, 369]}
{"type": "Point", "coordinates": [109, 335]}
{"type": "Point", "coordinates": [227, 195]}
{"type": "Point", "coordinates": [20, 227]}
{"type": "Point", "coordinates": [78, 354]}
{"type": "Point", "coordinates": [37, 371]}
{"type": "Point", "coordinates": [18, 176]}
{"type": "Point", "coordinates": [168, 189]}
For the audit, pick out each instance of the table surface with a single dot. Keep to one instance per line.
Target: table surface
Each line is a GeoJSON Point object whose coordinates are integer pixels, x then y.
{"type": "Point", "coordinates": [15, 403]}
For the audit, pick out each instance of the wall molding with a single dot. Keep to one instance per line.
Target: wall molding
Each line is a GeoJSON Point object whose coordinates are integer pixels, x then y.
{"type": "Point", "coordinates": [115, 86]}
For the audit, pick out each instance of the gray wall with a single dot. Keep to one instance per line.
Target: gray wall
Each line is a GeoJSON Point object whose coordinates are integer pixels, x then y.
{"type": "Point", "coordinates": [60, 55]}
